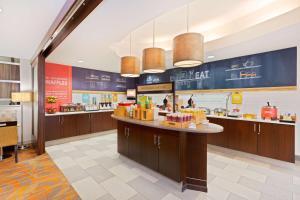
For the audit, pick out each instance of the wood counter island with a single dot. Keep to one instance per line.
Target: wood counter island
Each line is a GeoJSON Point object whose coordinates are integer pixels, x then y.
{"type": "Point", "coordinates": [178, 153]}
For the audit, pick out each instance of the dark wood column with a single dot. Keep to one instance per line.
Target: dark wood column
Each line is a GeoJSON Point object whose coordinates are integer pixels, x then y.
{"type": "Point", "coordinates": [40, 143]}
{"type": "Point", "coordinates": [82, 10]}
{"type": "Point", "coordinates": [194, 158]}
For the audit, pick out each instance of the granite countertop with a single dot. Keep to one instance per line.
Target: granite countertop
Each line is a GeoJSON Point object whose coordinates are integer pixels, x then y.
{"type": "Point", "coordinates": [252, 120]}
{"type": "Point", "coordinates": [208, 128]}
{"type": "Point", "coordinates": [79, 112]}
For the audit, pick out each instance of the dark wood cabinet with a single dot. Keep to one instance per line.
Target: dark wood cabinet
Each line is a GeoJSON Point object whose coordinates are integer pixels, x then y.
{"type": "Point", "coordinates": [96, 122]}
{"type": "Point", "coordinates": [129, 141]}
{"type": "Point", "coordinates": [52, 128]}
{"type": "Point", "coordinates": [276, 141]}
{"type": "Point", "coordinates": [68, 125]}
{"type": "Point", "coordinates": [122, 139]}
{"type": "Point", "coordinates": [219, 139]}
{"type": "Point", "coordinates": [83, 122]}
{"type": "Point", "coordinates": [168, 159]}
{"type": "Point", "coordinates": [102, 121]}
{"type": "Point", "coordinates": [114, 123]}
{"type": "Point", "coordinates": [242, 136]}
{"type": "Point", "coordinates": [106, 117]}
{"type": "Point", "coordinates": [149, 148]}
{"type": "Point", "coordinates": [155, 148]}
{"type": "Point", "coordinates": [265, 139]}
{"type": "Point", "coordinates": [178, 155]}
{"type": "Point", "coordinates": [134, 142]}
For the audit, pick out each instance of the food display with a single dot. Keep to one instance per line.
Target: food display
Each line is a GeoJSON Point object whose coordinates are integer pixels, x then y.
{"type": "Point", "coordinates": [71, 107]}
{"type": "Point", "coordinates": [288, 117]}
{"type": "Point", "coordinates": [198, 115]}
{"type": "Point", "coordinates": [178, 120]}
{"type": "Point", "coordinates": [51, 101]}
{"type": "Point", "coordinates": [185, 118]}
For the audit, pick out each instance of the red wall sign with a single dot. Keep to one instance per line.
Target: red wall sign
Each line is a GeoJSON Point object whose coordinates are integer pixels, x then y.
{"type": "Point", "coordinates": [58, 83]}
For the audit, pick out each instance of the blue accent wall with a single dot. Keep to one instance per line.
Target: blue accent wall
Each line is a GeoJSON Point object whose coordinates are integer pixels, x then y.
{"type": "Point", "coordinates": [269, 69]}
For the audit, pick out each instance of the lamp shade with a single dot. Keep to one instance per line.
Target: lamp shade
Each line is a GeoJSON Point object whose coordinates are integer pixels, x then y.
{"type": "Point", "coordinates": [188, 50]}
{"type": "Point", "coordinates": [21, 96]}
{"type": "Point", "coordinates": [154, 60]}
{"type": "Point", "coordinates": [130, 66]}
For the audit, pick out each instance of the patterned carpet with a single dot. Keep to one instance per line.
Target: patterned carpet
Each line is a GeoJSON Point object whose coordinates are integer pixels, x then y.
{"type": "Point", "coordinates": [37, 178]}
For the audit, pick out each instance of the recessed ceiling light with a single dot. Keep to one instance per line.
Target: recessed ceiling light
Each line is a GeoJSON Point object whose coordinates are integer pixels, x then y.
{"type": "Point", "coordinates": [210, 57]}
{"type": "Point", "coordinates": [1, 10]}
{"type": "Point", "coordinates": [80, 61]}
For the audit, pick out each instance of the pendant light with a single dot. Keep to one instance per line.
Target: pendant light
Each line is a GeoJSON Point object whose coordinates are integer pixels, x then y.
{"type": "Point", "coordinates": [130, 65]}
{"type": "Point", "coordinates": [188, 48]}
{"type": "Point", "coordinates": [154, 58]}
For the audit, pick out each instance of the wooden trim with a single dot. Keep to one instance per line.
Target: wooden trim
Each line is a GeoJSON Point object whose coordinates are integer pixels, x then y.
{"type": "Point", "coordinates": [81, 13]}
{"type": "Point", "coordinates": [263, 89]}
{"type": "Point", "coordinates": [10, 63]}
{"type": "Point", "coordinates": [41, 105]}
{"type": "Point", "coordinates": [96, 92]}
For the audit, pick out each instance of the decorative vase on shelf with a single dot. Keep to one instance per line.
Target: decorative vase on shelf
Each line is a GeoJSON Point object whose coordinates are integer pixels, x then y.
{"type": "Point", "coordinates": [51, 100]}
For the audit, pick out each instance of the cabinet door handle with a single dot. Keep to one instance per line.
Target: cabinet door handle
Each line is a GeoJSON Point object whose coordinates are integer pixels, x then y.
{"type": "Point", "coordinates": [59, 120]}
{"type": "Point", "coordinates": [258, 129]}
{"type": "Point", "coordinates": [154, 139]}
{"type": "Point", "coordinates": [158, 142]}
{"type": "Point", "coordinates": [62, 119]}
{"type": "Point", "coordinates": [127, 132]}
{"type": "Point", "coordinates": [254, 126]}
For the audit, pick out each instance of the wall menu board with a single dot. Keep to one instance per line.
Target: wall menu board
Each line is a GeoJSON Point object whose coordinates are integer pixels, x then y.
{"type": "Point", "coordinates": [58, 83]}
{"type": "Point", "coordinates": [269, 69]}
{"type": "Point", "coordinates": [95, 80]}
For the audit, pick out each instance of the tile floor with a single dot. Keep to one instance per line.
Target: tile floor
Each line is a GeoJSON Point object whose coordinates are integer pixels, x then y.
{"type": "Point", "coordinates": [97, 171]}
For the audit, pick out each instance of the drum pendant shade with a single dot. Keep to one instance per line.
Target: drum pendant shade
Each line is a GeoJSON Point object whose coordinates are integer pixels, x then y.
{"type": "Point", "coordinates": [130, 66]}
{"type": "Point", "coordinates": [188, 50]}
{"type": "Point", "coordinates": [153, 60]}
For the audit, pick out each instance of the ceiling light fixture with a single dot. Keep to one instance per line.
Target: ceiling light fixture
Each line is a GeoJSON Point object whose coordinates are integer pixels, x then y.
{"type": "Point", "coordinates": [130, 65]}
{"type": "Point", "coordinates": [188, 48]}
{"type": "Point", "coordinates": [210, 57]}
{"type": "Point", "coordinates": [80, 61]}
{"type": "Point", "coordinates": [154, 58]}
{"type": "Point", "coordinates": [1, 10]}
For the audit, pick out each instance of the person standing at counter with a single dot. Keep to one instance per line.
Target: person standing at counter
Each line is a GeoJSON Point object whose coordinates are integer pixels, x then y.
{"type": "Point", "coordinates": [191, 103]}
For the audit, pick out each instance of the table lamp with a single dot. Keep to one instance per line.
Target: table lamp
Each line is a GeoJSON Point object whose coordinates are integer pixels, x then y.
{"type": "Point", "coordinates": [21, 97]}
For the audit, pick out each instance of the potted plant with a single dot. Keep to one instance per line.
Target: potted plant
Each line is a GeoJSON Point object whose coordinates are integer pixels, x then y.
{"type": "Point", "coordinates": [51, 100]}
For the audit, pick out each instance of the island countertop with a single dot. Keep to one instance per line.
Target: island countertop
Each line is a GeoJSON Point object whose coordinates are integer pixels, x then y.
{"type": "Point", "coordinates": [205, 128]}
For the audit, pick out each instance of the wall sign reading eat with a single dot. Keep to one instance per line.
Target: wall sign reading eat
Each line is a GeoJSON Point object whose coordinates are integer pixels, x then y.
{"type": "Point", "coordinates": [264, 70]}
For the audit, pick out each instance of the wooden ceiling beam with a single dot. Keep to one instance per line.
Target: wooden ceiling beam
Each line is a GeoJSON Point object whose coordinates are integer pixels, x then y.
{"type": "Point", "coordinates": [80, 14]}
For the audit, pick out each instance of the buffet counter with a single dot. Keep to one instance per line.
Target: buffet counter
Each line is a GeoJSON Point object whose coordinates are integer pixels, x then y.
{"type": "Point", "coordinates": [271, 139]}
{"type": "Point", "coordinates": [177, 153]}
{"type": "Point", "coordinates": [78, 112]}
{"type": "Point", "coordinates": [205, 128]}
{"type": "Point", "coordinates": [251, 120]}
{"type": "Point", "coordinates": [69, 124]}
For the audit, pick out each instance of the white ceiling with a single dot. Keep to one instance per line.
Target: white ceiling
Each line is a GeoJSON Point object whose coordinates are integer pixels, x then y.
{"type": "Point", "coordinates": [24, 23]}
{"type": "Point", "coordinates": [104, 36]}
